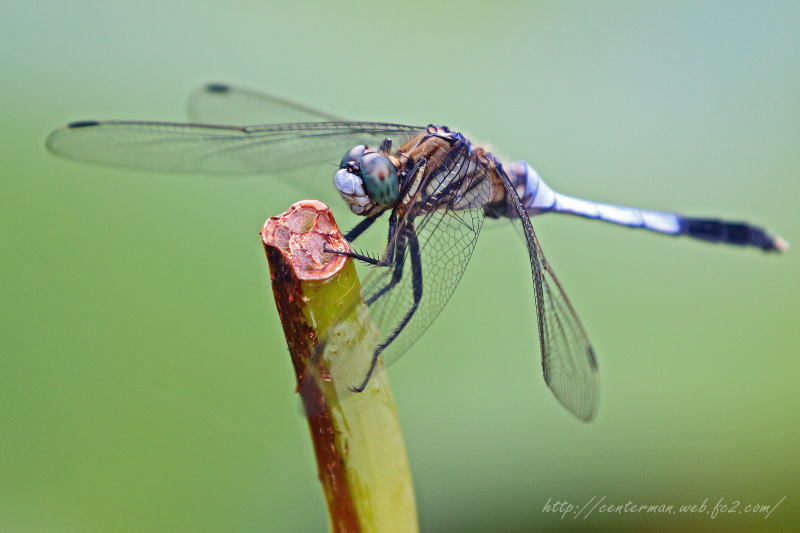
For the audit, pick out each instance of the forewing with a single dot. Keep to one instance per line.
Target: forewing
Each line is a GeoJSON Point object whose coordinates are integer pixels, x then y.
{"type": "Point", "coordinates": [568, 359]}
{"type": "Point", "coordinates": [218, 103]}
{"type": "Point", "coordinates": [194, 148]}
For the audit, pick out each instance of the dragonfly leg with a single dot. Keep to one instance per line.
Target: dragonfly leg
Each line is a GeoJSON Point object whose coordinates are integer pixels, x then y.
{"type": "Point", "coordinates": [416, 284]}
{"type": "Point", "coordinates": [355, 255]}
{"type": "Point", "coordinates": [358, 230]}
{"type": "Point", "coordinates": [397, 273]}
{"type": "Point", "coordinates": [410, 175]}
{"type": "Point", "coordinates": [353, 234]}
{"type": "Point", "coordinates": [361, 227]}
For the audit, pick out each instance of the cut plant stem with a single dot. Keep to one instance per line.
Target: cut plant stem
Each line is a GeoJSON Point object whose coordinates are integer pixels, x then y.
{"type": "Point", "coordinates": [359, 447]}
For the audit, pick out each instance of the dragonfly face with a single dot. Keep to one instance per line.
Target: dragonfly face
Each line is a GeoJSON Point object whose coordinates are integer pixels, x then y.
{"type": "Point", "coordinates": [439, 189]}
{"type": "Point", "coordinates": [367, 180]}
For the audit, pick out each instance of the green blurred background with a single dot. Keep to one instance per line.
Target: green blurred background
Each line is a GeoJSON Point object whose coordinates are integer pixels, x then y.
{"type": "Point", "coordinates": [144, 380]}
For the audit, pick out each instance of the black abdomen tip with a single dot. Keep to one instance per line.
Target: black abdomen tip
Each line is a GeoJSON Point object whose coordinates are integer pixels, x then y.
{"type": "Point", "coordinates": [217, 88]}
{"type": "Point", "coordinates": [83, 124]}
{"type": "Point", "coordinates": [736, 233]}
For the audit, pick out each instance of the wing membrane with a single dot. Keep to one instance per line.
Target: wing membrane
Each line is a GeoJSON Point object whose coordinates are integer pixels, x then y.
{"type": "Point", "coordinates": [568, 359]}
{"type": "Point", "coordinates": [445, 223]}
{"type": "Point", "coordinates": [218, 103]}
{"type": "Point", "coordinates": [177, 147]}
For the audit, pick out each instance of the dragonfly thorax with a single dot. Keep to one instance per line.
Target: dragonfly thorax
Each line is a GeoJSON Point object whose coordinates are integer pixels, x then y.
{"type": "Point", "coordinates": [367, 180]}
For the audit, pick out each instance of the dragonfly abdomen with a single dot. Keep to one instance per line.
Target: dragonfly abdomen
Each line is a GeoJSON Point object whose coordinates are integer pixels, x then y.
{"type": "Point", "coordinates": [737, 233]}
{"type": "Point", "coordinates": [538, 198]}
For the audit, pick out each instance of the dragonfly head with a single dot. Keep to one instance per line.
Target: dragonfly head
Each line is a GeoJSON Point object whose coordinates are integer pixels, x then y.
{"type": "Point", "coordinates": [367, 179]}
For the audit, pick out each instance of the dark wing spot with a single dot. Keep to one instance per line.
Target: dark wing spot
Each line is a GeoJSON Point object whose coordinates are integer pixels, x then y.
{"type": "Point", "coordinates": [218, 88]}
{"type": "Point", "coordinates": [83, 124]}
{"type": "Point", "coordinates": [592, 357]}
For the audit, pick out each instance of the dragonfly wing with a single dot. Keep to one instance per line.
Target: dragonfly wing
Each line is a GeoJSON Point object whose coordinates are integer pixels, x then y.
{"type": "Point", "coordinates": [201, 148]}
{"type": "Point", "coordinates": [432, 245]}
{"type": "Point", "coordinates": [218, 103]}
{"type": "Point", "coordinates": [568, 359]}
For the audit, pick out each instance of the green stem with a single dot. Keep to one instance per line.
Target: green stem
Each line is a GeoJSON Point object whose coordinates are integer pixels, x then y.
{"type": "Point", "coordinates": [358, 443]}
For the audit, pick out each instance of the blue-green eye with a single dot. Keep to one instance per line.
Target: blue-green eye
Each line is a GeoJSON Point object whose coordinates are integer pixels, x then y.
{"type": "Point", "coordinates": [380, 178]}
{"type": "Point", "coordinates": [353, 155]}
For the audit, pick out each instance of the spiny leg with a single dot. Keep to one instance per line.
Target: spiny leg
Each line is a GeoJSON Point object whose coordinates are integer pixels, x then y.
{"type": "Point", "coordinates": [358, 230]}
{"type": "Point", "coordinates": [355, 255]}
{"type": "Point", "coordinates": [416, 284]}
{"type": "Point", "coordinates": [397, 274]}
{"type": "Point", "coordinates": [354, 233]}
{"type": "Point", "coordinates": [361, 227]}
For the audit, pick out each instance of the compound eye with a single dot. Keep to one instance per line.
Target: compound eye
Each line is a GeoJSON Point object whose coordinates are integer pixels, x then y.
{"type": "Point", "coordinates": [380, 178]}
{"type": "Point", "coordinates": [353, 156]}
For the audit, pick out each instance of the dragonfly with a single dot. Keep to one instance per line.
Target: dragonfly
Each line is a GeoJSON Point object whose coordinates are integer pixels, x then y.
{"type": "Point", "coordinates": [432, 183]}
